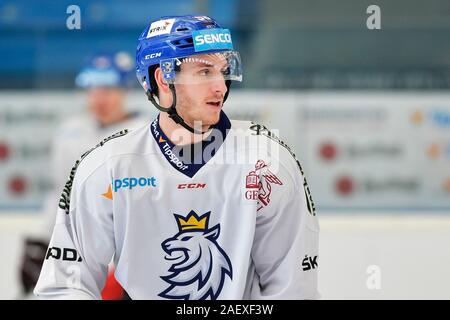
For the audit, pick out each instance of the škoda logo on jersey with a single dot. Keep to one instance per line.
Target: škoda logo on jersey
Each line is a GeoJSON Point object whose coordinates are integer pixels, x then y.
{"type": "Point", "coordinates": [65, 254]}
{"type": "Point", "coordinates": [309, 263]}
{"type": "Point", "coordinates": [258, 184]}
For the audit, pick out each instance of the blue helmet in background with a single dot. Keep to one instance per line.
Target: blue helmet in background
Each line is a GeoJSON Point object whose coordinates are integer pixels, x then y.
{"type": "Point", "coordinates": [172, 37]}
{"type": "Point", "coordinates": [106, 70]}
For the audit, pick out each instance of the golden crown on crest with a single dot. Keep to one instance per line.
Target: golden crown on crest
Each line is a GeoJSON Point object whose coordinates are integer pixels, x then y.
{"type": "Point", "coordinates": [193, 221]}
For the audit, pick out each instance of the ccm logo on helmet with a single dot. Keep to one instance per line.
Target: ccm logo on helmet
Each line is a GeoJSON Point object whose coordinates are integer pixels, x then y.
{"type": "Point", "coordinates": [212, 38]}
{"type": "Point", "coordinates": [153, 55]}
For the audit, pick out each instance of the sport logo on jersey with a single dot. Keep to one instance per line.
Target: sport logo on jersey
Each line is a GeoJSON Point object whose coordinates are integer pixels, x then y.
{"type": "Point", "coordinates": [258, 184]}
{"type": "Point", "coordinates": [108, 194]}
{"type": "Point", "coordinates": [199, 265]}
{"type": "Point", "coordinates": [128, 183]}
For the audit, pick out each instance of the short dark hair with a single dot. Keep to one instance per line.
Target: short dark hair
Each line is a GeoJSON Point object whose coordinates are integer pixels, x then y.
{"type": "Point", "coordinates": [152, 80]}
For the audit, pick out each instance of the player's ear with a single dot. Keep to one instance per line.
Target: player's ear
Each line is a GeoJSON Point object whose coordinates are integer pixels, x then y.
{"type": "Point", "coordinates": [162, 84]}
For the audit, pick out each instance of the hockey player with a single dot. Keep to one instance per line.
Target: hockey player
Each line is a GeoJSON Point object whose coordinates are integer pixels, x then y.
{"type": "Point", "coordinates": [194, 205]}
{"type": "Point", "coordinates": [106, 77]}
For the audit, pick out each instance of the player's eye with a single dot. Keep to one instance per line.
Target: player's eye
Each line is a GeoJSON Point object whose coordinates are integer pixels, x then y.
{"type": "Point", "coordinates": [204, 72]}
{"type": "Point", "coordinates": [186, 238]}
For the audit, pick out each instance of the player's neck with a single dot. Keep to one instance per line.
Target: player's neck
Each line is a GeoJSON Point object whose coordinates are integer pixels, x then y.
{"type": "Point", "coordinates": [176, 133]}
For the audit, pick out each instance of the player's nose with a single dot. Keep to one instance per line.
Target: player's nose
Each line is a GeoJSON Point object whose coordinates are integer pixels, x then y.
{"type": "Point", "coordinates": [219, 87]}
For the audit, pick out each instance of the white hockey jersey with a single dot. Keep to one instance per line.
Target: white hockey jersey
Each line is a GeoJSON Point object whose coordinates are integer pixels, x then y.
{"type": "Point", "coordinates": [238, 222]}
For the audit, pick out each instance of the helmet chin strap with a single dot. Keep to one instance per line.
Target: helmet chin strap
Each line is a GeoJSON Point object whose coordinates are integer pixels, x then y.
{"type": "Point", "coordinates": [172, 111]}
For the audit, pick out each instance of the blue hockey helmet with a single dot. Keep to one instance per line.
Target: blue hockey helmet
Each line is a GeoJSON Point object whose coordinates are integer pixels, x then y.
{"type": "Point", "coordinates": [106, 70]}
{"type": "Point", "coordinates": [171, 40]}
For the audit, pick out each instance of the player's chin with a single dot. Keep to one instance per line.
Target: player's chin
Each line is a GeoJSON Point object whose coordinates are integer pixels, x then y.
{"type": "Point", "coordinates": [212, 120]}
{"type": "Point", "coordinates": [211, 116]}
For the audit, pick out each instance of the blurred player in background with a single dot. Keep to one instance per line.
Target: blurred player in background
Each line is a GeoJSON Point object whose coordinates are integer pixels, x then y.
{"type": "Point", "coordinates": [105, 78]}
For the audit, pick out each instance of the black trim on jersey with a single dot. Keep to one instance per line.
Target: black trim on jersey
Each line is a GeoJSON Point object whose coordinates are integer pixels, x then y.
{"type": "Point", "coordinates": [176, 154]}
{"type": "Point", "coordinates": [64, 200]}
{"type": "Point", "coordinates": [262, 130]}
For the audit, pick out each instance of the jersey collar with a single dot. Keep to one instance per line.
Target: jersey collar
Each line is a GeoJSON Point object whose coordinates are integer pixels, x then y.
{"type": "Point", "coordinates": [174, 155]}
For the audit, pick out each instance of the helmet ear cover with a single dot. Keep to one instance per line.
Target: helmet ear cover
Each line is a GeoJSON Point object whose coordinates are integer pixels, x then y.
{"type": "Point", "coordinates": [152, 81]}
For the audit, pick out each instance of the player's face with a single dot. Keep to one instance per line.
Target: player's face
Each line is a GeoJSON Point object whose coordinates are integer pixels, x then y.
{"type": "Point", "coordinates": [201, 90]}
{"type": "Point", "coordinates": [106, 104]}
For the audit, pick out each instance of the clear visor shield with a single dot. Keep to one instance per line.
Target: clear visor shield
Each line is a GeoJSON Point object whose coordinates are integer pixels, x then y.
{"type": "Point", "coordinates": [202, 68]}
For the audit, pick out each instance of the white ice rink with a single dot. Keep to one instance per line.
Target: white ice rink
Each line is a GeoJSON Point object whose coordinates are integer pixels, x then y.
{"type": "Point", "coordinates": [410, 251]}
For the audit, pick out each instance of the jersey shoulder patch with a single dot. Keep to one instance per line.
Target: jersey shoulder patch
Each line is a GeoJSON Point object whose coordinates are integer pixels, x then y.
{"type": "Point", "coordinates": [260, 129]}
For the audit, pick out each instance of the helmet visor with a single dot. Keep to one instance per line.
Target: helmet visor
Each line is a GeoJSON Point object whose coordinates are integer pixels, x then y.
{"type": "Point", "coordinates": [203, 68]}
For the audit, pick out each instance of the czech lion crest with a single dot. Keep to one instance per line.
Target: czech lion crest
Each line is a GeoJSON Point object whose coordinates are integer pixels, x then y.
{"type": "Point", "coordinates": [199, 265]}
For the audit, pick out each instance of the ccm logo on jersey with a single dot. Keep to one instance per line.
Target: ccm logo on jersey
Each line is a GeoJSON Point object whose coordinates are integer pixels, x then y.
{"type": "Point", "coordinates": [130, 183]}
{"type": "Point", "coordinates": [192, 185]}
{"type": "Point", "coordinates": [309, 263]}
{"type": "Point", "coordinates": [65, 254]}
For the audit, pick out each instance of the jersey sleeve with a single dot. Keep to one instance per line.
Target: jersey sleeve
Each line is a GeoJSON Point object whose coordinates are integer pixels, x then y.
{"type": "Point", "coordinates": [286, 243]}
{"type": "Point", "coordinates": [82, 243]}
